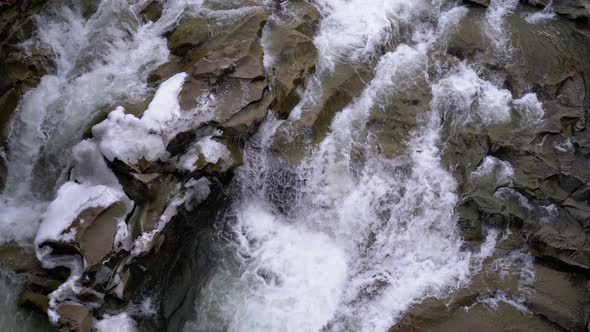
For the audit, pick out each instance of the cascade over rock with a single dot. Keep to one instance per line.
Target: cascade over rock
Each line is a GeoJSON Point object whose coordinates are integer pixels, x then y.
{"type": "Point", "coordinates": [321, 165]}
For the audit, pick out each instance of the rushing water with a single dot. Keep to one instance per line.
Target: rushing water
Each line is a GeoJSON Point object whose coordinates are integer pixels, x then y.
{"type": "Point", "coordinates": [101, 61]}
{"type": "Point", "coordinates": [354, 239]}
{"type": "Point", "coordinates": [345, 240]}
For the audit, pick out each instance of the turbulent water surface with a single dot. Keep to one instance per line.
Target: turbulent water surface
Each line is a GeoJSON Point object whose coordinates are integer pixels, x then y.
{"type": "Point", "coordinates": [345, 236]}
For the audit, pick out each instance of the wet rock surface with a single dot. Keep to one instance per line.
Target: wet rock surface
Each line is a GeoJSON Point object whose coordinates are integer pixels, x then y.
{"type": "Point", "coordinates": [541, 208]}
{"type": "Point", "coordinates": [110, 255]}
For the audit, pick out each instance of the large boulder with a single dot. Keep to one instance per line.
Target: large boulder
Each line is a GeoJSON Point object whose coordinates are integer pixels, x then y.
{"type": "Point", "coordinates": [75, 318]}
{"type": "Point", "coordinates": [561, 296]}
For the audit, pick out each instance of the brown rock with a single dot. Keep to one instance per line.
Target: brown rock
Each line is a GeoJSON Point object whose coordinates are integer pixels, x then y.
{"type": "Point", "coordinates": [17, 259]}
{"type": "Point", "coordinates": [74, 318]}
{"type": "Point", "coordinates": [562, 297]}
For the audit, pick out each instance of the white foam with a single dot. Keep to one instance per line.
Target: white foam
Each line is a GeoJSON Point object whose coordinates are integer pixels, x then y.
{"type": "Point", "coordinates": [494, 27]}
{"type": "Point", "coordinates": [565, 146]}
{"type": "Point", "coordinates": [547, 14]}
{"type": "Point", "coordinates": [530, 109]}
{"type": "Point", "coordinates": [501, 170]}
{"type": "Point", "coordinates": [352, 30]}
{"type": "Point", "coordinates": [362, 241]}
{"type": "Point", "coordinates": [292, 282]}
{"type": "Point", "coordinates": [466, 98]}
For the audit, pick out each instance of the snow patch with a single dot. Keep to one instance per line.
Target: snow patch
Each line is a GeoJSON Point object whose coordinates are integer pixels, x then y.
{"type": "Point", "coordinates": [129, 139]}
{"type": "Point", "coordinates": [120, 323]}
{"type": "Point", "coordinates": [211, 150]}
{"type": "Point", "coordinates": [72, 199]}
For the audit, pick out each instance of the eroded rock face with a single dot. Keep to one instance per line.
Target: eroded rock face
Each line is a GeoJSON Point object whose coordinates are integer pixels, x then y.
{"type": "Point", "coordinates": [535, 190]}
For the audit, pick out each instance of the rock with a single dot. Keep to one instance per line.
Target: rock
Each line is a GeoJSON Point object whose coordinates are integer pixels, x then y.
{"type": "Point", "coordinates": [571, 8]}
{"type": "Point", "coordinates": [502, 297]}
{"type": "Point", "coordinates": [237, 52]}
{"type": "Point", "coordinates": [563, 239]}
{"type": "Point", "coordinates": [44, 283]}
{"type": "Point", "coordinates": [88, 8]}
{"type": "Point", "coordinates": [151, 12]}
{"type": "Point", "coordinates": [8, 103]}
{"type": "Point", "coordinates": [18, 74]}
{"type": "Point", "coordinates": [484, 3]}
{"type": "Point", "coordinates": [146, 215]}
{"type": "Point", "coordinates": [3, 171]}
{"type": "Point", "coordinates": [96, 237]}
{"type": "Point", "coordinates": [74, 318]}
{"type": "Point", "coordinates": [292, 51]}
{"type": "Point", "coordinates": [481, 303]}
{"type": "Point", "coordinates": [247, 118]}
{"type": "Point", "coordinates": [562, 297]}
{"type": "Point", "coordinates": [469, 221]}
{"type": "Point", "coordinates": [35, 301]}
{"type": "Point", "coordinates": [226, 68]}
{"type": "Point", "coordinates": [16, 258]}
{"type": "Point", "coordinates": [189, 33]}
{"type": "Point", "coordinates": [339, 90]}
{"type": "Point", "coordinates": [498, 318]}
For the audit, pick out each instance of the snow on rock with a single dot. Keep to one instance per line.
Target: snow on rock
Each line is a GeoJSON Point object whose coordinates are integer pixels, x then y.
{"type": "Point", "coordinates": [120, 323]}
{"type": "Point", "coordinates": [209, 150]}
{"type": "Point", "coordinates": [90, 167]}
{"type": "Point", "coordinates": [72, 199]}
{"type": "Point", "coordinates": [165, 108]}
{"type": "Point", "coordinates": [194, 192]}
{"type": "Point", "coordinates": [129, 139]}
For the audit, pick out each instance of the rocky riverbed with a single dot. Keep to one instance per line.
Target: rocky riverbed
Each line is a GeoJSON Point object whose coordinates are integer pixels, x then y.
{"type": "Point", "coordinates": [298, 165]}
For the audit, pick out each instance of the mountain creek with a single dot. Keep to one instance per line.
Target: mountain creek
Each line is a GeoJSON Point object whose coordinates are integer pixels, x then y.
{"type": "Point", "coordinates": [295, 165]}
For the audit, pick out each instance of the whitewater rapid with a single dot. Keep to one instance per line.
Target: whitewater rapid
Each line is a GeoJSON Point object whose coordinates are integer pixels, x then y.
{"type": "Point", "coordinates": [354, 239]}
{"type": "Point", "coordinates": [101, 61]}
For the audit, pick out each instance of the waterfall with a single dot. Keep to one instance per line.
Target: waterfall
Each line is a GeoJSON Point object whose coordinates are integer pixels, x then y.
{"type": "Point", "coordinates": [352, 239]}
{"type": "Point", "coordinates": [346, 238]}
